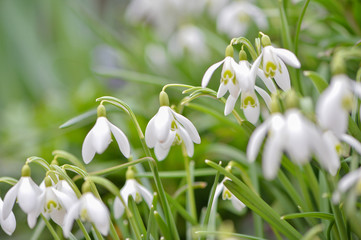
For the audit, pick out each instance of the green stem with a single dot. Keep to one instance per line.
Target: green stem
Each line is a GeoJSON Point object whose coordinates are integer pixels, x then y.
{"type": "Point", "coordinates": [179, 174]}
{"type": "Point", "coordinates": [50, 228]}
{"type": "Point", "coordinates": [97, 233]}
{"type": "Point", "coordinates": [82, 228]}
{"type": "Point", "coordinates": [113, 231]}
{"type": "Point", "coordinates": [299, 23]}
{"type": "Point", "coordinates": [176, 85]}
{"type": "Point", "coordinates": [340, 224]}
{"type": "Point", "coordinates": [190, 190]}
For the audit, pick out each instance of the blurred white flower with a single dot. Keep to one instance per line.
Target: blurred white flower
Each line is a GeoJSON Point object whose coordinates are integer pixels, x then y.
{"type": "Point", "coordinates": [235, 18]}
{"type": "Point", "coordinates": [88, 208]}
{"type": "Point", "coordinates": [52, 203]}
{"type": "Point", "coordinates": [274, 60]}
{"type": "Point", "coordinates": [134, 189]}
{"type": "Point", "coordinates": [8, 224]}
{"type": "Point", "coordinates": [295, 135]}
{"type": "Point", "coordinates": [167, 126]}
{"type": "Point", "coordinates": [99, 138]}
{"type": "Point", "coordinates": [350, 180]}
{"type": "Point", "coordinates": [26, 192]}
{"type": "Point", "coordinates": [227, 195]}
{"type": "Point", "coordinates": [188, 39]}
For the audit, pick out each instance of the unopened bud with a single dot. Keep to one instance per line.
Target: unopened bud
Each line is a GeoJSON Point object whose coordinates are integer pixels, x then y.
{"type": "Point", "coordinates": [229, 51]}
{"type": "Point", "coordinates": [163, 99]}
{"type": "Point", "coordinates": [101, 111]}
{"type": "Point", "coordinates": [25, 171]}
{"type": "Point", "coordinates": [266, 41]}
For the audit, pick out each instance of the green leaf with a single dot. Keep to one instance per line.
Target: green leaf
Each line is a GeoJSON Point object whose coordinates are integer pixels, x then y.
{"type": "Point", "coordinates": [354, 129]}
{"type": "Point", "coordinates": [79, 118]}
{"type": "Point", "coordinates": [321, 215]}
{"type": "Point", "coordinates": [320, 83]}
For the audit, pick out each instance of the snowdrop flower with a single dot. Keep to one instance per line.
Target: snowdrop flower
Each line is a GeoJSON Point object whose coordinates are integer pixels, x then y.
{"type": "Point", "coordinates": [246, 76]}
{"type": "Point", "coordinates": [166, 127]}
{"type": "Point", "coordinates": [52, 203]}
{"type": "Point", "coordinates": [350, 180]}
{"type": "Point", "coordinates": [8, 224]}
{"type": "Point", "coordinates": [274, 60]}
{"type": "Point", "coordinates": [25, 191]}
{"type": "Point", "coordinates": [88, 208]}
{"type": "Point", "coordinates": [295, 135]}
{"type": "Point", "coordinates": [227, 195]}
{"type": "Point", "coordinates": [235, 18]}
{"type": "Point", "coordinates": [134, 189]}
{"type": "Point", "coordinates": [228, 76]}
{"type": "Point", "coordinates": [99, 137]}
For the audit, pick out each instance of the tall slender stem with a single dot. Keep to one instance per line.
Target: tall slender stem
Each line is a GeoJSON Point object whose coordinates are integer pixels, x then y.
{"type": "Point", "coordinates": [50, 228]}
{"type": "Point", "coordinates": [190, 191]}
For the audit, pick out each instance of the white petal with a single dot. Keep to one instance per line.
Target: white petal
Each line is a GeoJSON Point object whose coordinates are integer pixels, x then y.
{"type": "Point", "coordinates": [187, 141]}
{"type": "Point", "coordinates": [161, 150]}
{"type": "Point", "coordinates": [162, 123]}
{"type": "Point", "coordinates": [28, 195]}
{"type": "Point", "coordinates": [58, 216]}
{"type": "Point", "coordinates": [150, 134]}
{"type": "Point", "coordinates": [272, 155]}
{"type": "Point", "coordinates": [118, 208]}
{"type": "Point", "coordinates": [32, 217]}
{"type": "Point", "coordinates": [348, 180]}
{"type": "Point", "coordinates": [66, 201]}
{"type": "Point", "coordinates": [9, 200]}
{"type": "Point", "coordinates": [189, 127]}
{"type": "Point", "coordinates": [122, 140]}
{"type": "Point", "coordinates": [288, 57]}
{"type": "Point", "coordinates": [101, 135]}
{"type": "Point", "coordinates": [209, 72]}
{"type": "Point", "coordinates": [147, 196]}
{"type": "Point", "coordinates": [250, 111]}
{"type": "Point", "coordinates": [353, 142]}
{"type": "Point", "coordinates": [256, 140]}
{"type": "Point", "coordinates": [237, 204]}
{"type": "Point", "coordinates": [128, 189]}
{"type": "Point", "coordinates": [231, 101]}
{"type": "Point", "coordinates": [88, 150]}
{"type": "Point", "coordinates": [267, 81]}
{"type": "Point", "coordinates": [266, 97]}
{"type": "Point", "coordinates": [254, 68]}
{"type": "Point", "coordinates": [221, 90]}
{"type": "Point", "coordinates": [72, 214]}
{"type": "Point", "coordinates": [282, 78]}
{"type": "Point", "coordinates": [97, 212]}
{"type": "Point", "coordinates": [8, 224]}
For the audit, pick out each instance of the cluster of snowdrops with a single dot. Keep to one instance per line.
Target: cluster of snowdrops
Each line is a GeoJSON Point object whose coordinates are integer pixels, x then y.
{"type": "Point", "coordinates": [277, 111]}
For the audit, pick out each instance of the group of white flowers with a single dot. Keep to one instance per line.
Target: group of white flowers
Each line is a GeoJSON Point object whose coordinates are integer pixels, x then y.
{"type": "Point", "coordinates": [289, 132]}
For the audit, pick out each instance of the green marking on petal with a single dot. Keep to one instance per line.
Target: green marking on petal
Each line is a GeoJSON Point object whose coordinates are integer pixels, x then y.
{"type": "Point", "coordinates": [227, 74]}
{"type": "Point", "coordinates": [249, 100]}
{"type": "Point", "coordinates": [84, 215]}
{"type": "Point", "coordinates": [174, 126]}
{"type": "Point", "coordinates": [234, 80]}
{"type": "Point", "coordinates": [226, 194]}
{"type": "Point", "coordinates": [338, 148]}
{"type": "Point", "coordinates": [270, 69]}
{"type": "Point", "coordinates": [50, 205]}
{"type": "Point", "coordinates": [347, 102]}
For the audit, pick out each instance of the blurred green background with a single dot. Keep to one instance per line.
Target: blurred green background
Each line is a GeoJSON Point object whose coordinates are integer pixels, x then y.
{"type": "Point", "coordinates": [57, 57]}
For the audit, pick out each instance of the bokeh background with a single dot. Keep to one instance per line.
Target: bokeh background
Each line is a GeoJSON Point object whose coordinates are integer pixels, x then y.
{"type": "Point", "coordinates": [57, 57]}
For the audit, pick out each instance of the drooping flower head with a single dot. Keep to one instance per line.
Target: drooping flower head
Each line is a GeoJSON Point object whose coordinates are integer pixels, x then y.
{"type": "Point", "coordinates": [99, 137]}
{"type": "Point", "coordinates": [52, 202]}
{"type": "Point", "coordinates": [273, 62]}
{"type": "Point", "coordinates": [25, 191]}
{"type": "Point", "coordinates": [8, 224]}
{"type": "Point", "coordinates": [135, 190]}
{"type": "Point", "coordinates": [295, 135]}
{"type": "Point", "coordinates": [166, 127]}
{"type": "Point", "coordinates": [87, 208]}
{"type": "Point", "coordinates": [227, 195]}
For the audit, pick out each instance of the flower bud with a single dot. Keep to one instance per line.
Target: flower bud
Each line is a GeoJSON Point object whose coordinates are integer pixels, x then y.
{"type": "Point", "coordinates": [266, 41]}
{"type": "Point", "coordinates": [292, 100]}
{"type": "Point", "coordinates": [48, 182]}
{"type": "Point", "coordinates": [86, 187]}
{"type": "Point", "coordinates": [229, 51]}
{"type": "Point", "coordinates": [25, 171]}
{"type": "Point", "coordinates": [101, 112]}
{"type": "Point", "coordinates": [163, 99]}
{"type": "Point", "coordinates": [130, 173]}
{"type": "Point", "coordinates": [242, 55]}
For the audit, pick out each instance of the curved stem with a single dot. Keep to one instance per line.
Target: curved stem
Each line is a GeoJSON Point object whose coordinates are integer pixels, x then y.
{"type": "Point", "coordinates": [176, 85]}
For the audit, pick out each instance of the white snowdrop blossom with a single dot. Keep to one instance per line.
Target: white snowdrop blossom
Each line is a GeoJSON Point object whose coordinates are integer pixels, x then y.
{"type": "Point", "coordinates": [228, 77]}
{"type": "Point", "coordinates": [166, 127]}
{"type": "Point", "coordinates": [8, 224]}
{"type": "Point", "coordinates": [134, 189]}
{"type": "Point", "coordinates": [227, 195]}
{"type": "Point", "coordinates": [53, 203]}
{"type": "Point", "coordinates": [188, 39]}
{"type": "Point", "coordinates": [99, 138]}
{"type": "Point", "coordinates": [274, 60]}
{"type": "Point", "coordinates": [26, 192]}
{"type": "Point", "coordinates": [246, 76]}
{"type": "Point", "coordinates": [235, 18]}
{"type": "Point", "coordinates": [352, 180]}
{"type": "Point", "coordinates": [295, 135]}
{"type": "Point", "coordinates": [87, 208]}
